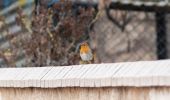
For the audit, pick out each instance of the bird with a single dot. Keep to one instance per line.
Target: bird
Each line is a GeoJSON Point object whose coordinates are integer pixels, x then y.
{"type": "Point", "coordinates": [85, 53]}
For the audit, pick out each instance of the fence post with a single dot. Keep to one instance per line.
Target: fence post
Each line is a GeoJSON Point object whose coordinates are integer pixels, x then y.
{"type": "Point", "coordinates": [161, 29]}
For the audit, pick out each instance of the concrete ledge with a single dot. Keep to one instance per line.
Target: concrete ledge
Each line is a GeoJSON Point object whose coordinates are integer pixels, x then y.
{"type": "Point", "coordinates": [130, 74]}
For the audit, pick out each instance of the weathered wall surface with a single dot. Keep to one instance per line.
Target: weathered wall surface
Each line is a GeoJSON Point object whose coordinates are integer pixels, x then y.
{"type": "Point", "coordinates": [125, 93]}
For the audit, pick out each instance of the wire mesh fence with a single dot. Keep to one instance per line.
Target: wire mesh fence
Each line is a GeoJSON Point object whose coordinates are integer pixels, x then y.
{"type": "Point", "coordinates": [137, 41]}
{"type": "Point", "coordinates": [53, 35]}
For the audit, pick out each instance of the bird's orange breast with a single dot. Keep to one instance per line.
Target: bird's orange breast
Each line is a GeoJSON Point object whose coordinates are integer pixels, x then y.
{"type": "Point", "coordinates": [84, 49]}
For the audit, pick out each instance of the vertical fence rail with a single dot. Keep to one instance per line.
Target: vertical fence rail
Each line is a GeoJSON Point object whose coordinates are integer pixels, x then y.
{"type": "Point", "coordinates": [161, 30]}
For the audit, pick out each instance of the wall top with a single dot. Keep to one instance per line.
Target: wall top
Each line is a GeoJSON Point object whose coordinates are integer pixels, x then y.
{"type": "Point", "coordinates": [134, 74]}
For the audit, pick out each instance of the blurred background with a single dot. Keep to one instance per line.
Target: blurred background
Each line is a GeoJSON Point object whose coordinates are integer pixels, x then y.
{"type": "Point", "coordinates": [49, 32]}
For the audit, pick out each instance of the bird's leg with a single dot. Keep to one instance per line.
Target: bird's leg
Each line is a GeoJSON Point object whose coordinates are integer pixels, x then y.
{"type": "Point", "coordinates": [82, 62]}
{"type": "Point", "coordinates": [85, 62]}
{"type": "Point", "coordinates": [89, 62]}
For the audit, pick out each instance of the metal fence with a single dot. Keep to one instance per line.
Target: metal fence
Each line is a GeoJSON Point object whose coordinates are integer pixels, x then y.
{"type": "Point", "coordinates": [131, 41]}
{"type": "Point", "coordinates": [120, 33]}
{"type": "Point", "coordinates": [132, 32]}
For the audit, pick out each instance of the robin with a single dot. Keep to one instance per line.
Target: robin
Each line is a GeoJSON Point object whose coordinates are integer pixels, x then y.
{"type": "Point", "coordinates": [86, 53]}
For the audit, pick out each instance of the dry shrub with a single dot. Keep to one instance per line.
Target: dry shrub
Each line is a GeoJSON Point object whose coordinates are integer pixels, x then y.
{"type": "Point", "coordinates": [53, 35]}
